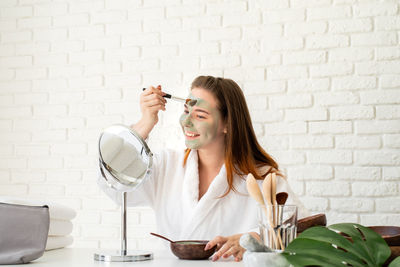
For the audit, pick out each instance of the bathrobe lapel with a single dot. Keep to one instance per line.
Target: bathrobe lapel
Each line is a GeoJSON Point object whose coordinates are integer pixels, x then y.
{"type": "Point", "coordinates": [195, 211]}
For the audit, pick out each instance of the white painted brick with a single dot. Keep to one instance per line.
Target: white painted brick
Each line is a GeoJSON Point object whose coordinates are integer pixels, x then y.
{"type": "Point", "coordinates": [50, 60]}
{"type": "Point", "coordinates": [310, 172]}
{"type": "Point", "coordinates": [143, 39]}
{"type": "Point", "coordinates": [354, 173]}
{"type": "Point", "coordinates": [27, 177]}
{"type": "Point", "coordinates": [15, 112]}
{"type": "Point", "coordinates": [322, 13]}
{"type": "Point", "coordinates": [190, 23]}
{"type": "Point", "coordinates": [285, 128]}
{"type": "Point", "coordinates": [266, 115]}
{"type": "Point", "coordinates": [374, 189]}
{"type": "Point", "coordinates": [99, 69]}
{"type": "Point", "coordinates": [350, 25]}
{"type": "Point", "coordinates": [387, 53]}
{"type": "Point", "coordinates": [330, 127]}
{"type": "Point", "coordinates": [8, 3]}
{"type": "Point", "coordinates": [86, 57]}
{"type": "Point", "coordinates": [315, 203]}
{"type": "Point", "coordinates": [49, 84]}
{"type": "Point", "coordinates": [6, 100]}
{"type": "Point", "coordinates": [223, 8]}
{"type": "Point", "coordinates": [100, 231]}
{"type": "Point", "coordinates": [7, 50]}
{"type": "Point", "coordinates": [102, 43]}
{"type": "Point", "coordinates": [99, 203]}
{"type": "Point", "coordinates": [381, 67]}
{"type": "Point", "coordinates": [331, 69]}
{"type": "Point", "coordinates": [67, 123]}
{"type": "Point", "coordinates": [162, 25]}
{"type": "Point", "coordinates": [30, 73]}
{"type": "Point", "coordinates": [252, 33]}
{"type": "Point", "coordinates": [65, 97]}
{"type": "Point", "coordinates": [14, 189]}
{"type": "Point", "coordinates": [13, 163]}
{"type": "Point", "coordinates": [68, 149]}
{"type": "Point", "coordinates": [353, 83]}
{"type": "Point", "coordinates": [311, 142]}
{"type": "Point", "coordinates": [304, 57]}
{"type": "Point", "coordinates": [16, 12]}
{"type": "Point", "coordinates": [351, 54]}
{"type": "Point", "coordinates": [32, 150]}
{"type": "Point", "coordinates": [33, 125]}
{"type": "Point", "coordinates": [48, 35]}
{"type": "Point", "coordinates": [351, 112]}
{"type": "Point", "coordinates": [7, 75]}
{"type": "Point", "coordinates": [16, 37]}
{"type": "Point", "coordinates": [135, 66]}
{"type": "Point", "coordinates": [312, 114]}
{"type": "Point", "coordinates": [380, 97]}
{"type": "Point", "coordinates": [97, 96]}
{"type": "Point", "coordinates": [373, 8]}
{"type": "Point", "coordinates": [254, 60]}
{"type": "Point", "coordinates": [327, 41]}
{"type": "Point", "coordinates": [388, 204]}
{"type": "Point", "coordinates": [328, 188]}
{"type": "Point", "coordinates": [34, 22]}
{"type": "Point", "coordinates": [82, 190]}
{"type": "Point", "coordinates": [377, 127]}
{"type": "Point", "coordinates": [387, 112]}
{"type": "Point", "coordinates": [51, 9]}
{"type": "Point", "coordinates": [15, 86]}
{"type": "Point", "coordinates": [249, 18]}
{"type": "Point", "coordinates": [88, 217]}
{"type": "Point", "coordinates": [330, 157]}
{"type": "Point", "coordinates": [281, 16]}
{"type": "Point", "coordinates": [381, 219]}
{"type": "Point", "coordinates": [46, 163]}
{"type": "Point", "coordinates": [391, 140]}
{"type": "Point", "coordinates": [371, 39]}
{"type": "Point", "coordinates": [305, 85]}
{"type": "Point", "coordinates": [6, 150]}
{"type": "Point", "coordinates": [378, 157]}
{"type": "Point", "coordinates": [286, 72]}
{"type": "Point", "coordinates": [6, 125]}
{"type": "Point", "coordinates": [49, 136]}
{"type": "Point", "coordinates": [31, 48]}
{"type": "Point", "coordinates": [389, 81]}
{"type": "Point", "coordinates": [81, 162]}
{"type": "Point", "coordinates": [387, 23]}
{"type": "Point", "coordinates": [184, 11]}
{"type": "Point", "coordinates": [283, 43]}
{"type": "Point", "coordinates": [60, 176]}
{"type": "Point", "coordinates": [8, 25]}
{"type": "Point", "coordinates": [357, 142]}
{"type": "Point", "coordinates": [305, 28]}
{"type": "Point", "coordinates": [145, 13]}
{"type": "Point", "coordinates": [332, 99]}
{"type": "Point", "coordinates": [89, 6]}
{"type": "Point", "coordinates": [15, 62]}
{"type": "Point", "coordinates": [291, 101]}
{"type": "Point", "coordinates": [391, 173]}
{"type": "Point", "coordinates": [125, 80]}
{"type": "Point", "coordinates": [122, 54]}
{"type": "Point", "coordinates": [254, 88]}
{"type": "Point", "coordinates": [220, 34]}
{"type": "Point", "coordinates": [219, 61]}
{"type": "Point", "coordinates": [289, 158]}
{"type": "Point", "coordinates": [15, 137]}
{"type": "Point", "coordinates": [356, 205]}
{"type": "Point", "coordinates": [84, 32]}
{"type": "Point", "coordinates": [273, 142]}
{"type": "Point", "coordinates": [123, 28]}
{"type": "Point", "coordinates": [103, 17]}
{"type": "Point", "coordinates": [87, 82]}
{"type": "Point", "coordinates": [245, 74]}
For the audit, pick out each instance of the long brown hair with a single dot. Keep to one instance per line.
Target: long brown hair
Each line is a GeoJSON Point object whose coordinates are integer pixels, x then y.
{"type": "Point", "coordinates": [243, 153]}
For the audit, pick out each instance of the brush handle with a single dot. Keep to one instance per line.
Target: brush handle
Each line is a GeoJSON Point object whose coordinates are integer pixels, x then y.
{"type": "Point", "coordinates": [172, 97]}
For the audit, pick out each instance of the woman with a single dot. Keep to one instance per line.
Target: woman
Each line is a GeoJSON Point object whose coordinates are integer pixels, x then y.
{"type": "Point", "coordinates": [200, 193]}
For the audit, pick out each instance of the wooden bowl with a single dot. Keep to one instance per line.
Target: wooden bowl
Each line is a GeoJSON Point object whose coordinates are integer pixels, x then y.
{"type": "Point", "coordinates": [310, 221]}
{"type": "Point", "coordinates": [391, 234]}
{"type": "Point", "coordinates": [191, 249]}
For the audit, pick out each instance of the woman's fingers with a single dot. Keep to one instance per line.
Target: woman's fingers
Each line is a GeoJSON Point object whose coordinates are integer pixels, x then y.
{"type": "Point", "coordinates": [219, 240]}
{"type": "Point", "coordinates": [224, 249]}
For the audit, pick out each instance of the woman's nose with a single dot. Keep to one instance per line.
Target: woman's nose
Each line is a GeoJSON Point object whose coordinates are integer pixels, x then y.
{"type": "Point", "coordinates": [188, 121]}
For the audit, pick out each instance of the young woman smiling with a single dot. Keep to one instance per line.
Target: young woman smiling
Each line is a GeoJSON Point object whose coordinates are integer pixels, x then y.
{"type": "Point", "coordinates": [200, 193]}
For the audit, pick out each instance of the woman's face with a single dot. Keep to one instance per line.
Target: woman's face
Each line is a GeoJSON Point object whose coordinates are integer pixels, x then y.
{"type": "Point", "coordinates": [201, 120]}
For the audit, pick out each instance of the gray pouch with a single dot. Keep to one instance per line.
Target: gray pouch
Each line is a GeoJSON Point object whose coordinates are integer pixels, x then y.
{"type": "Point", "coordinates": [23, 232]}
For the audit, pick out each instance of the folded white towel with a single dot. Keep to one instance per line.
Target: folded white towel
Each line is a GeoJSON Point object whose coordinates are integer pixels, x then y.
{"type": "Point", "coordinates": [54, 242]}
{"type": "Point", "coordinates": [60, 228]}
{"type": "Point", "coordinates": [57, 211]}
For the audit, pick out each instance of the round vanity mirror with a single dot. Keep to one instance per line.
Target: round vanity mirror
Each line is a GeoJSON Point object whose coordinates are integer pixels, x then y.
{"type": "Point", "coordinates": [125, 162]}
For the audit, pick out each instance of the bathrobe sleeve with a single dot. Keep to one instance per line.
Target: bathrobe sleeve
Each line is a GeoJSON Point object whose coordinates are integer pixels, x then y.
{"type": "Point", "coordinates": [145, 194]}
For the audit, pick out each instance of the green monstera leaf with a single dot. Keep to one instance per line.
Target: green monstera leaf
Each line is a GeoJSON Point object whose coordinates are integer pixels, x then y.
{"type": "Point", "coordinates": [324, 246]}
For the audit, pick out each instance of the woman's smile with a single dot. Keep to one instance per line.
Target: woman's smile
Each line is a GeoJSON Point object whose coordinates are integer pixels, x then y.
{"type": "Point", "coordinates": [191, 135]}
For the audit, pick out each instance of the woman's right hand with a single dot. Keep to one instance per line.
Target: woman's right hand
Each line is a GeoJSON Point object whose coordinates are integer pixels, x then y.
{"type": "Point", "coordinates": [151, 102]}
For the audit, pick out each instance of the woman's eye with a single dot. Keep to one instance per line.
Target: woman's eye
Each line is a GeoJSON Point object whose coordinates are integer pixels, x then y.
{"type": "Point", "coordinates": [186, 111]}
{"type": "Point", "coordinates": [200, 117]}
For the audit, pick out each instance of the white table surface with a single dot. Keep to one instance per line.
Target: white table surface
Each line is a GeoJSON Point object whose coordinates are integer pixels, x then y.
{"type": "Point", "coordinates": [78, 257]}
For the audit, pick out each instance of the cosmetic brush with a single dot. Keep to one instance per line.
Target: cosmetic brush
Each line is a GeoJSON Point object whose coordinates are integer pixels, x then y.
{"type": "Point", "coordinates": [179, 99]}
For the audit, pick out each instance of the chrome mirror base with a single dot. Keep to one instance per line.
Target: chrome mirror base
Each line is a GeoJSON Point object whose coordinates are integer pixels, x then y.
{"type": "Point", "coordinates": [120, 256]}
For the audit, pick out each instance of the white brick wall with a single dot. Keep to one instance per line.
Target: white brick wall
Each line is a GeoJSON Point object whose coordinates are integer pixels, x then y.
{"type": "Point", "coordinates": [322, 80]}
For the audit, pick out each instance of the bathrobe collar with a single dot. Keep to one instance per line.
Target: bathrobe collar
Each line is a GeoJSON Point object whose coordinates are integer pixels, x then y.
{"type": "Point", "coordinates": [196, 210]}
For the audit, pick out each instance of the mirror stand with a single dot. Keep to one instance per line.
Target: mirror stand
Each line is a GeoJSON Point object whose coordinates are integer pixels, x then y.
{"type": "Point", "coordinates": [123, 255]}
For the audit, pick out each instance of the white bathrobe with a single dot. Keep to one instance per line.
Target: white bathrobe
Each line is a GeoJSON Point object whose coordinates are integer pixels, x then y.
{"type": "Point", "coordinates": [172, 190]}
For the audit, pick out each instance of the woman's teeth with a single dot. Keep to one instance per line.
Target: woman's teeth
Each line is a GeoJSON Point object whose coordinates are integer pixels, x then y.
{"type": "Point", "coordinates": [191, 134]}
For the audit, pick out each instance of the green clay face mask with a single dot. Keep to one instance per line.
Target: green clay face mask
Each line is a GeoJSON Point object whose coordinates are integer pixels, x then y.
{"type": "Point", "coordinates": [200, 122]}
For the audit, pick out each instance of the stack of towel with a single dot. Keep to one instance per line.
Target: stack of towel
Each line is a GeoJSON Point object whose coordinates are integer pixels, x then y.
{"type": "Point", "coordinates": [60, 221]}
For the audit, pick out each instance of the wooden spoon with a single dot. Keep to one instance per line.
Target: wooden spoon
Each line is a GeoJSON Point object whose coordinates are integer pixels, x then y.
{"type": "Point", "coordinates": [163, 237]}
{"type": "Point", "coordinates": [254, 190]}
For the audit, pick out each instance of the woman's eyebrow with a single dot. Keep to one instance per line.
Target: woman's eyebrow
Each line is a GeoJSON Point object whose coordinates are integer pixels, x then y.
{"type": "Point", "coordinates": [202, 110]}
